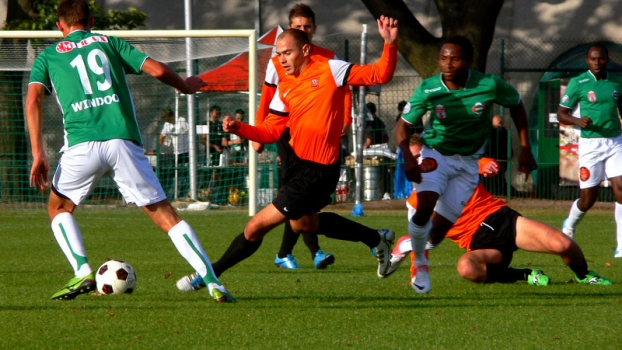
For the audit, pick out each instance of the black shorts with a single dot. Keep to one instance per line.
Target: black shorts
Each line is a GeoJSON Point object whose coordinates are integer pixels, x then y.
{"type": "Point", "coordinates": [307, 188]}
{"type": "Point", "coordinates": [498, 231]}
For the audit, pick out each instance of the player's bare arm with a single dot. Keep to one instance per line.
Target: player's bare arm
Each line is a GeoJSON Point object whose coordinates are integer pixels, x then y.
{"type": "Point", "coordinates": [564, 116]}
{"type": "Point", "coordinates": [526, 161]}
{"type": "Point", "coordinates": [165, 74]}
{"type": "Point", "coordinates": [40, 164]}
{"type": "Point", "coordinates": [411, 165]}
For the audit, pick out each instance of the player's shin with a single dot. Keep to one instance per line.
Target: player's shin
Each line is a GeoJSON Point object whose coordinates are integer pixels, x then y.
{"type": "Point", "coordinates": [240, 249]}
{"type": "Point", "coordinates": [69, 239]}
{"type": "Point", "coordinates": [419, 238]}
{"type": "Point", "coordinates": [188, 245]}
{"type": "Point", "coordinates": [618, 217]}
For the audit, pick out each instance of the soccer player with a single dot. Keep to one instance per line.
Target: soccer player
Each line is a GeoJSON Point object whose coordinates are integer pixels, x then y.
{"type": "Point", "coordinates": [87, 73]}
{"type": "Point", "coordinates": [596, 96]}
{"type": "Point", "coordinates": [310, 98]}
{"type": "Point", "coordinates": [491, 232]}
{"type": "Point", "coordinates": [460, 101]}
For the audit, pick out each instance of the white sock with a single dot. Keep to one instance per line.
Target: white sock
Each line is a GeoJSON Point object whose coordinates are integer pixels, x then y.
{"type": "Point", "coordinates": [419, 237]}
{"type": "Point", "coordinates": [190, 248]}
{"type": "Point", "coordinates": [575, 216]}
{"type": "Point", "coordinates": [618, 216]}
{"type": "Point", "coordinates": [69, 238]}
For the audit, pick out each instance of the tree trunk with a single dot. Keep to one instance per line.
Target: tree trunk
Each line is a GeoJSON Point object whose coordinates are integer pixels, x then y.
{"type": "Point", "coordinates": [474, 19]}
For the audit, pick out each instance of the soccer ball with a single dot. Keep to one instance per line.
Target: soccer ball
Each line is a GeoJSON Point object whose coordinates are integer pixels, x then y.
{"type": "Point", "coordinates": [115, 277]}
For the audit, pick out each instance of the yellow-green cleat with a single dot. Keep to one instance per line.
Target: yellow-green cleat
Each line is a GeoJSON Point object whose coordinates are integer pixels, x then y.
{"type": "Point", "coordinates": [75, 287]}
{"type": "Point", "coordinates": [220, 294]}
{"type": "Point", "coordinates": [594, 278]}
{"type": "Point", "coordinates": [538, 278]}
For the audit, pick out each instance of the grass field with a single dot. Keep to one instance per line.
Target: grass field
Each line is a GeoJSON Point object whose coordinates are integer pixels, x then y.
{"type": "Point", "coordinates": [345, 306]}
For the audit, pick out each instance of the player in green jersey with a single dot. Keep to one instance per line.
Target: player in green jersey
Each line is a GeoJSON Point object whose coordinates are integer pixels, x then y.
{"type": "Point", "coordinates": [461, 102]}
{"type": "Point", "coordinates": [594, 96]}
{"type": "Point", "coordinates": [87, 71]}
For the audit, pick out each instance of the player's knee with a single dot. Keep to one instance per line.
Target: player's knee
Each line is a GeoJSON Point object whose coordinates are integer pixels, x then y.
{"type": "Point", "coordinates": [561, 244]}
{"type": "Point", "coordinates": [468, 270]}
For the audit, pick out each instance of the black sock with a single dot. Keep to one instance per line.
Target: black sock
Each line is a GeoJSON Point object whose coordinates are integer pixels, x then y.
{"type": "Point", "coordinates": [504, 274]}
{"type": "Point", "coordinates": [240, 249]}
{"type": "Point", "coordinates": [336, 226]}
{"type": "Point", "coordinates": [290, 238]}
{"type": "Point", "coordinates": [311, 241]}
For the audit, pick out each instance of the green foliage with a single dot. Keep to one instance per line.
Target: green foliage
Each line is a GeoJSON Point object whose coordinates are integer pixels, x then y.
{"type": "Point", "coordinates": [45, 18]}
{"type": "Point", "coordinates": [344, 306]}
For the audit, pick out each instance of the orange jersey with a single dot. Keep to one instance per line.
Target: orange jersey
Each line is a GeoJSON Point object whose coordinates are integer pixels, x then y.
{"type": "Point", "coordinates": [275, 73]}
{"type": "Point", "coordinates": [313, 105]}
{"type": "Point", "coordinates": [477, 209]}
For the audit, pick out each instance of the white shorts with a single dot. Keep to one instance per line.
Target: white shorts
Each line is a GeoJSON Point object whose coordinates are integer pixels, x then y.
{"type": "Point", "coordinates": [599, 159]}
{"type": "Point", "coordinates": [453, 177]}
{"type": "Point", "coordinates": [80, 167]}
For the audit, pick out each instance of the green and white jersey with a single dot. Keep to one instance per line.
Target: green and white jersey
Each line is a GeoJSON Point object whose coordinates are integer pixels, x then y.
{"type": "Point", "coordinates": [87, 73]}
{"type": "Point", "coordinates": [461, 120]}
{"type": "Point", "coordinates": [596, 99]}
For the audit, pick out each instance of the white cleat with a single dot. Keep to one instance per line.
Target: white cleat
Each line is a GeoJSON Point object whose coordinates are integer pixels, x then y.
{"type": "Point", "coordinates": [383, 251]}
{"type": "Point", "coordinates": [618, 253]}
{"type": "Point", "coordinates": [421, 282]}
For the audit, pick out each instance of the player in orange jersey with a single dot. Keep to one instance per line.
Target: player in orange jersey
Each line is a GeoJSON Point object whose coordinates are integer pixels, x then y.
{"type": "Point", "coordinates": [310, 99]}
{"type": "Point", "coordinates": [491, 232]}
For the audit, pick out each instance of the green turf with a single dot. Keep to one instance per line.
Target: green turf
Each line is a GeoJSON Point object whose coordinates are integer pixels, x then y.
{"type": "Point", "coordinates": [345, 306]}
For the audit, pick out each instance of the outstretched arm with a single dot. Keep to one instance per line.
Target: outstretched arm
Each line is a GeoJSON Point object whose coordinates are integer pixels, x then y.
{"type": "Point", "coordinates": [165, 74]}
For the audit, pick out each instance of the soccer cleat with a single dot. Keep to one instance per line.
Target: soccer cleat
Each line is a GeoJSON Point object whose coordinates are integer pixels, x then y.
{"type": "Point", "coordinates": [321, 260]}
{"type": "Point", "coordinates": [421, 282]}
{"type": "Point", "coordinates": [383, 251]}
{"type": "Point", "coordinates": [538, 278]}
{"type": "Point", "coordinates": [567, 230]}
{"type": "Point", "coordinates": [618, 253]}
{"type": "Point", "coordinates": [220, 294]}
{"type": "Point", "coordinates": [594, 278]}
{"type": "Point", "coordinates": [288, 262]}
{"type": "Point", "coordinates": [75, 287]}
{"type": "Point", "coordinates": [190, 283]}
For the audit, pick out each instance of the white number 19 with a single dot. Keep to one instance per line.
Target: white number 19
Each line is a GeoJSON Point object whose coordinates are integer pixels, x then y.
{"type": "Point", "coordinates": [96, 68]}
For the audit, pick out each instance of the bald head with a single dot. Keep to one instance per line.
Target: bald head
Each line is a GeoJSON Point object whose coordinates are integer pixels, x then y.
{"type": "Point", "coordinates": [293, 49]}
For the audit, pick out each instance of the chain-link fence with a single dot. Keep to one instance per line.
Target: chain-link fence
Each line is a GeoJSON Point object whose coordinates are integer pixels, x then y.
{"type": "Point", "coordinates": [538, 74]}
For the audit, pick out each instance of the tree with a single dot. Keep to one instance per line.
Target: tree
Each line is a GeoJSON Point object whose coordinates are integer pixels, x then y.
{"type": "Point", "coordinates": [34, 15]}
{"type": "Point", "coordinates": [474, 19]}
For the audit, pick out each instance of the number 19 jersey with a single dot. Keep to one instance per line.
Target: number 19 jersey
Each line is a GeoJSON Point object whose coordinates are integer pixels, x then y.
{"type": "Point", "coordinates": [87, 73]}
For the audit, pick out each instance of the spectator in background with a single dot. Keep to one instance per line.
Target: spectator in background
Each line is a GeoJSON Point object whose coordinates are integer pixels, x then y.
{"type": "Point", "coordinates": [217, 137]}
{"type": "Point", "coordinates": [174, 137]}
{"type": "Point", "coordinates": [375, 129]}
{"type": "Point", "coordinates": [238, 146]}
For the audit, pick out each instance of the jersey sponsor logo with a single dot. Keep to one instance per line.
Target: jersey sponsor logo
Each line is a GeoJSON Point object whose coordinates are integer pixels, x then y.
{"type": "Point", "coordinates": [584, 174]}
{"type": "Point", "coordinates": [615, 94]}
{"type": "Point", "coordinates": [591, 96]}
{"type": "Point", "coordinates": [406, 108]}
{"type": "Point", "coordinates": [428, 165]}
{"type": "Point", "coordinates": [565, 99]}
{"type": "Point", "coordinates": [584, 80]}
{"type": "Point", "coordinates": [478, 108]}
{"type": "Point", "coordinates": [440, 111]}
{"type": "Point", "coordinates": [94, 102]}
{"type": "Point", "coordinates": [427, 91]}
{"type": "Point", "coordinates": [315, 83]}
{"type": "Point", "coordinates": [67, 46]}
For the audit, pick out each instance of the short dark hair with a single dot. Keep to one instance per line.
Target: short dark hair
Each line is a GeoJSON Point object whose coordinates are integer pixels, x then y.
{"type": "Point", "coordinates": [464, 43]}
{"type": "Point", "coordinates": [215, 108]}
{"type": "Point", "coordinates": [371, 107]}
{"type": "Point", "coordinates": [300, 38]}
{"type": "Point", "coordinates": [301, 10]}
{"type": "Point", "coordinates": [239, 111]}
{"type": "Point", "coordinates": [74, 12]}
{"type": "Point", "coordinates": [601, 46]}
{"type": "Point", "coordinates": [401, 105]}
